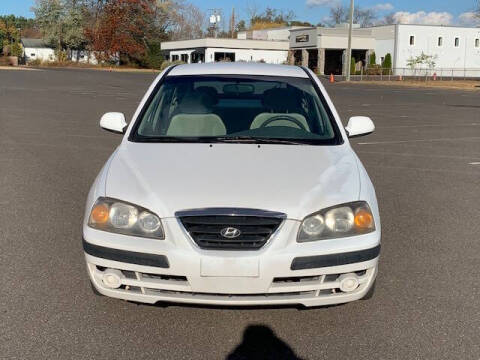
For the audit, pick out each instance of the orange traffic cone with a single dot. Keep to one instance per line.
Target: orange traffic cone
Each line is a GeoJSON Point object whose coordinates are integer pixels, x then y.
{"type": "Point", "coordinates": [332, 79]}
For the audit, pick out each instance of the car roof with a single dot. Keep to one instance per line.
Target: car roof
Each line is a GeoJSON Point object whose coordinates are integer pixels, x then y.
{"type": "Point", "coordinates": [238, 68]}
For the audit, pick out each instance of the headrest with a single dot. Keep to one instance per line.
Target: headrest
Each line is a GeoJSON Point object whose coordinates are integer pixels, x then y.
{"type": "Point", "coordinates": [197, 102]}
{"type": "Point", "coordinates": [281, 100]}
{"type": "Point", "coordinates": [210, 91]}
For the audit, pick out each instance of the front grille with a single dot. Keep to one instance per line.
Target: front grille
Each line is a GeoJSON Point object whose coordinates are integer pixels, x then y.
{"type": "Point", "coordinates": [254, 231]}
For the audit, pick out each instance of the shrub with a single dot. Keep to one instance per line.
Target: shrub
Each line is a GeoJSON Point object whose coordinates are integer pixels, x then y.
{"type": "Point", "coordinates": [373, 59]}
{"type": "Point", "coordinates": [374, 70]}
{"type": "Point", "coordinates": [352, 66]}
{"type": "Point", "coordinates": [387, 64]}
{"type": "Point", "coordinates": [36, 62]}
{"type": "Point", "coordinates": [16, 50]}
{"type": "Point", "coordinates": [153, 56]}
{"type": "Point", "coordinates": [4, 61]}
{"type": "Point", "coordinates": [61, 56]}
{"type": "Point", "coordinates": [167, 63]}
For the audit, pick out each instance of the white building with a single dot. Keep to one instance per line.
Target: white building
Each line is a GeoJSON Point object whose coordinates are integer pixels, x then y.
{"type": "Point", "coordinates": [324, 49]}
{"type": "Point", "coordinates": [212, 50]}
{"type": "Point", "coordinates": [36, 49]}
{"type": "Point", "coordinates": [455, 50]}
{"type": "Point", "coordinates": [83, 56]}
{"type": "Point", "coordinates": [274, 34]}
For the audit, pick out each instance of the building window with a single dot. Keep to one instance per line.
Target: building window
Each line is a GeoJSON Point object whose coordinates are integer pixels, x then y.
{"type": "Point", "coordinates": [302, 38]}
{"type": "Point", "coordinates": [174, 57]}
{"type": "Point", "coordinates": [225, 56]}
{"type": "Point", "coordinates": [477, 43]}
{"type": "Point", "coordinates": [457, 42]}
{"type": "Point", "coordinates": [412, 40]}
{"type": "Point", "coordinates": [184, 57]}
{"type": "Point", "coordinates": [440, 41]}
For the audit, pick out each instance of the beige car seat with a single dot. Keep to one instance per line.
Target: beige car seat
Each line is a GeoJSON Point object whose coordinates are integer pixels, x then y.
{"type": "Point", "coordinates": [195, 117]}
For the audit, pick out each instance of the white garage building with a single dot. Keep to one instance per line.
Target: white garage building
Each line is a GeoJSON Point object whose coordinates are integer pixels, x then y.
{"type": "Point", "coordinates": [36, 49]}
{"type": "Point", "coordinates": [211, 50]}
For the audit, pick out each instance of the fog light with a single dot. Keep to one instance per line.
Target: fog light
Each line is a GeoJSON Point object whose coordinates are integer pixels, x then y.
{"type": "Point", "coordinates": [348, 282]}
{"type": "Point", "coordinates": [112, 278]}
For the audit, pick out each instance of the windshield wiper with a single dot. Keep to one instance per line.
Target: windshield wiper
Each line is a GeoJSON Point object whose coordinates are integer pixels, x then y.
{"type": "Point", "coordinates": [173, 139]}
{"type": "Point", "coordinates": [258, 140]}
{"type": "Point", "coordinates": [219, 139]}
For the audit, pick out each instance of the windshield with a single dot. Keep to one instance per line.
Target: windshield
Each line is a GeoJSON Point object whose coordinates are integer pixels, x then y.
{"type": "Point", "coordinates": [234, 108]}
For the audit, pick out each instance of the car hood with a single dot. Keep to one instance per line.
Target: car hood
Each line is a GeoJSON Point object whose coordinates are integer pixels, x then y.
{"type": "Point", "coordinates": [296, 180]}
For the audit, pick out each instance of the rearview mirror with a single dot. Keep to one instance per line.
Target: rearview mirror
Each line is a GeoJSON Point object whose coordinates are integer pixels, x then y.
{"type": "Point", "coordinates": [359, 126]}
{"type": "Point", "coordinates": [113, 122]}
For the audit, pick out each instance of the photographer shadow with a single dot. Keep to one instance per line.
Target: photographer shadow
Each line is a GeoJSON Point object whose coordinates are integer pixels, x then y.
{"type": "Point", "coordinates": [260, 342]}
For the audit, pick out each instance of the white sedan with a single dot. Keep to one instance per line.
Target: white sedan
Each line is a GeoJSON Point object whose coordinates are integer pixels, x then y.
{"type": "Point", "coordinates": [234, 184]}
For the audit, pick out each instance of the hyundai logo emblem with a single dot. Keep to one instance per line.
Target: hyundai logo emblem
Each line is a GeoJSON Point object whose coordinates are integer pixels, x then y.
{"type": "Point", "coordinates": [230, 233]}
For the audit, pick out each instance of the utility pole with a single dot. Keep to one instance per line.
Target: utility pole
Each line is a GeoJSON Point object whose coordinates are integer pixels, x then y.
{"type": "Point", "coordinates": [215, 20]}
{"type": "Point", "coordinates": [350, 30]}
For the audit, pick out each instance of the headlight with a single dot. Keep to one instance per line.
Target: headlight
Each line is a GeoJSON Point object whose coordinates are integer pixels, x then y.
{"type": "Point", "coordinates": [340, 221]}
{"type": "Point", "coordinates": [123, 218]}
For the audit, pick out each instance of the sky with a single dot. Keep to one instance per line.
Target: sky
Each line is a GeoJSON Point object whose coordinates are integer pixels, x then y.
{"type": "Point", "coordinates": [443, 12]}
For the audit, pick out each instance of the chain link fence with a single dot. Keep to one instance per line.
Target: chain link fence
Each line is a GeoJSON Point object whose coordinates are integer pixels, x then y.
{"type": "Point", "coordinates": [401, 74]}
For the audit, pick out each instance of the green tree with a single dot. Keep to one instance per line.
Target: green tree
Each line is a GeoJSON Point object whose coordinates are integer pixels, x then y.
{"type": "Point", "coordinates": [49, 15]}
{"type": "Point", "coordinates": [73, 24]}
{"type": "Point", "coordinates": [153, 56]}
{"type": "Point", "coordinates": [352, 66]}
{"type": "Point", "coordinates": [8, 31]}
{"type": "Point", "coordinates": [373, 59]}
{"type": "Point", "coordinates": [387, 64]}
{"type": "Point", "coordinates": [241, 26]}
{"type": "Point", "coordinates": [16, 49]}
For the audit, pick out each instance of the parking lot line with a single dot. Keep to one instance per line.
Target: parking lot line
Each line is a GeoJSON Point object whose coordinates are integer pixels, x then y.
{"type": "Point", "coordinates": [418, 140]}
{"type": "Point", "coordinates": [453, 157]}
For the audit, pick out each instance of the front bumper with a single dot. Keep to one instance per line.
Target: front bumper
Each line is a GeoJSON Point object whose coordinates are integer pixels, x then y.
{"type": "Point", "coordinates": [283, 272]}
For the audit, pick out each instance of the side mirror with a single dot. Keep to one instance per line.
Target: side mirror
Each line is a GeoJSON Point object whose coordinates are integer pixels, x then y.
{"type": "Point", "coordinates": [359, 126]}
{"type": "Point", "coordinates": [113, 122]}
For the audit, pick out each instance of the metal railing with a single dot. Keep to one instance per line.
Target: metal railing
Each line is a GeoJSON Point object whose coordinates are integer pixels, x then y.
{"type": "Point", "coordinates": [419, 74]}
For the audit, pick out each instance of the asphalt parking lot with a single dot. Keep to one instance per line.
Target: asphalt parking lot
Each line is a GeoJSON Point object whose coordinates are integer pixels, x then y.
{"type": "Point", "coordinates": [424, 160]}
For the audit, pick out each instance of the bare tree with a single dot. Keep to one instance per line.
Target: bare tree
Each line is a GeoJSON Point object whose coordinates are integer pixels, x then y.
{"type": "Point", "coordinates": [364, 17]}
{"type": "Point", "coordinates": [338, 14]}
{"type": "Point", "coordinates": [389, 19]}
{"type": "Point", "coordinates": [252, 10]}
{"type": "Point", "coordinates": [186, 21]}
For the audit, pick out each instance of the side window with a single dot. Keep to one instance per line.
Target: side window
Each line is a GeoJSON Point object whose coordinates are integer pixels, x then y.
{"type": "Point", "coordinates": [457, 42]}
{"type": "Point", "coordinates": [412, 40]}
{"type": "Point", "coordinates": [477, 43]}
{"type": "Point", "coordinates": [161, 104]}
{"type": "Point", "coordinates": [440, 41]}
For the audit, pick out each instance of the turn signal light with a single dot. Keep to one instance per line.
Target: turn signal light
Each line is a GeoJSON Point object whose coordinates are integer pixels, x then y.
{"type": "Point", "coordinates": [363, 219]}
{"type": "Point", "coordinates": [99, 214]}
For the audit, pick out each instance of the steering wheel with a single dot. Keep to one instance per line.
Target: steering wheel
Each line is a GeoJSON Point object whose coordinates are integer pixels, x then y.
{"type": "Point", "coordinates": [284, 117]}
